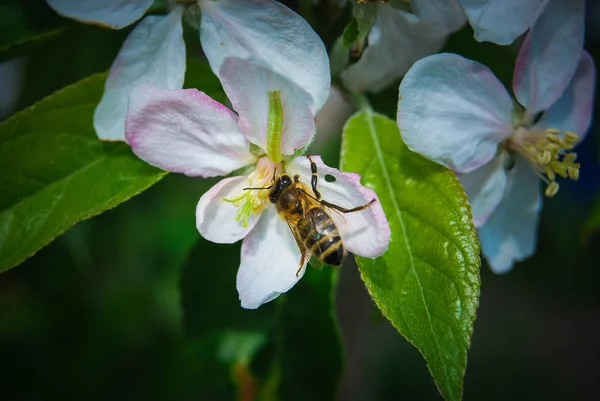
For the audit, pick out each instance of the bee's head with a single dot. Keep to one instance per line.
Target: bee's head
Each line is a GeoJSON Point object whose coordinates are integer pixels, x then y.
{"type": "Point", "coordinates": [281, 183]}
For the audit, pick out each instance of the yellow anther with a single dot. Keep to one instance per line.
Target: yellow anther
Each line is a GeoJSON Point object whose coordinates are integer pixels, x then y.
{"type": "Point", "coordinates": [571, 136]}
{"type": "Point", "coordinates": [548, 153]}
{"type": "Point", "coordinates": [551, 189]}
{"type": "Point", "coordinates": [560, 169]}
{"type": "Point", "coordinates": [570, 158]}
{"type": "Point", "coordinates": [573, 173]}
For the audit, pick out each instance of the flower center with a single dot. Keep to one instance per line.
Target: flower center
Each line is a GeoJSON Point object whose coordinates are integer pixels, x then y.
{"type": "Point", "coordinates": [548, 152]}
{"type": "Point", "coordinates": [254, 202]}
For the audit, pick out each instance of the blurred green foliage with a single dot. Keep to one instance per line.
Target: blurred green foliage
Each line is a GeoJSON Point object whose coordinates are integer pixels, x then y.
{"type": "Point", "coordinates": [133, 304]}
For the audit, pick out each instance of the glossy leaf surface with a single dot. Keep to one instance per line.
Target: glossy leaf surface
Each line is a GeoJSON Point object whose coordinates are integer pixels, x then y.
{"type": "Point", "coordinates": [427, 284]}
{"type": "Point", "coordinates": [55, 172]}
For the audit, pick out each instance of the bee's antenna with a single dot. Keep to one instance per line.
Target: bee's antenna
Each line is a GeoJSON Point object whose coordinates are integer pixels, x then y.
{"type": "Point", "coordinates": [257, 189]}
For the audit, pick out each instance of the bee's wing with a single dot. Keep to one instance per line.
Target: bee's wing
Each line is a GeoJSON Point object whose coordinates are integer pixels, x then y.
{"type": "Point", "coordinates": [316, 263]}
{"type": "Point", "coordinates": [303, 251]}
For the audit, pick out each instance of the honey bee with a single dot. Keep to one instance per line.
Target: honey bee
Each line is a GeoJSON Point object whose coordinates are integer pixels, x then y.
{"type": "Point", "coordinates": [307, 216]}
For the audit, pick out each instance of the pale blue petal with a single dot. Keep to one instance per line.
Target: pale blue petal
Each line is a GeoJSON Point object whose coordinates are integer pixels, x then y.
{"type": "Point", "coordinates": [510, 234]}
{"type": "Point", "coordinates": [154, 53]}
{"type": "Point", "coordinates": [549, 55]}
{"type": "Point", "coordinates": [485, 187]}
{"type": "Point", "coordinates": [12, 73]}
{"type": "Point", "coordinates": [115, 14]}
{"type": "Point", "coordinates": [447, 14]}
{"type": "Point", "coordinates": [271, 33]}
{"type": "Point", "coordinates": [453, 111]}
{"type": "Point", "coordinates": [501, 21]}
{"type": "Point", "coordinates": [573, 110]}
{"type": "Point", "coordinates": [396, 41]}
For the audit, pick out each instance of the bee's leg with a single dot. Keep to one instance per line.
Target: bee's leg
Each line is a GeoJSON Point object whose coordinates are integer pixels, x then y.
{"type": "Point", "coordinates": [343, 209]}
{"type": "Point", "coordinates": [338, 207]}
{"type": "Point", "coordinates": [302, 259]}
{"type": "Point", "coordinates": [314, 178]}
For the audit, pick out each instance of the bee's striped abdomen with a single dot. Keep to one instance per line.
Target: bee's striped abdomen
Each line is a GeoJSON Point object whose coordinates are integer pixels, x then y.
{"type": "Point", "coordinates": [321, 236]}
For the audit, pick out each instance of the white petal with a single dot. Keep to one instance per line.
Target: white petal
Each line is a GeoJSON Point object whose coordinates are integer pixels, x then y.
{"type": "Point", "coordinates": [216, 218]}
{"type": "Point", "coordinates": [248, 86]}
{"type": "Point", "coordinates": [549, 55]}
{"type": "Point", "coordinates": [114, 14]}
{"type": "Point", "coordinates": [485, 187]}
{"type": "Point", "coordinates": [573, 110]}
{"type": "Point", "coordinates": [270, 32]}
{"type": "Point", "coordinates": [365, 232]}
{"type": "Point", "coordinates": [185, 131]}
{"type": "Point", "coordinates": [447, 15]}
{"type": "Point", "coordinates": [153, 53]}
{"type": "Point", "coordinates": [509, 235]}
{"type": "Point", "coordinates": [270, 260]}
{"type": "Point", "coordinates": [453, 111]}
{"type": "Point", "coordinates": [502, 21]}
{"type": "Point", "coordinates": [396, 41]}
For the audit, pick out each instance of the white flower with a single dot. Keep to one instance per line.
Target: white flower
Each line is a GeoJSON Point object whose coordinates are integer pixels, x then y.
{"type": "Point", "coordinates": [398, 38]}
{"type": "Point", "coordinates": [456, 112]}
{"type": "Point", "coordinates": [154, 51]}
{"type": "Point", "coordinates": [186, 131]}
{"type": "Point", "coordinates": [503, 21]}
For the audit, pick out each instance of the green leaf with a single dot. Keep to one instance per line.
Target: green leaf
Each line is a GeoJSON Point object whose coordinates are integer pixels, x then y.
{"type": "Point", "coordinates": [55, 172]}
{"type": "Point", "coordinates": [24, 44]}
{"type": "Point", "coordinates": [427, 283]}
{"type": "Point", "coordinates": [308, 345]}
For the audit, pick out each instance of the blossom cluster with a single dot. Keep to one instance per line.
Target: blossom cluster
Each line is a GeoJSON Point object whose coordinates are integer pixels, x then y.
{"type": "Point", "coordinates": [455, 112]}
{"type": "Point", "coordinates": [275, 72]}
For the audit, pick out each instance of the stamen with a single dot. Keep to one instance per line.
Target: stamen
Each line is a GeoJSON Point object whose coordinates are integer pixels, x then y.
{"type": "Point", "coordinates": [548, 153]}
{"type": "Point", "coordinates": [254, 202]}
{"type": "Point", "coordinates": [551, 189]}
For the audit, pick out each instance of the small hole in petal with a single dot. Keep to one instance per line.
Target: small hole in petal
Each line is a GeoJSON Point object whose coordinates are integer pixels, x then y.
{"type": "Point", "coordinates": [329, 178]}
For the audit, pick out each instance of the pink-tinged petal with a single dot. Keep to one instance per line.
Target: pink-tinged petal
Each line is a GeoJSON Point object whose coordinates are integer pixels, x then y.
{"type": "Point", "coordinates": [453, 111]}
{"type": "Point", "coordinates": [502, 21]}
{"type": "Point", "coordinates": [270, 32]}
{"type": "Point", "coordinates": [365, 232]}
{"type": "Point", "coordinates": [153, 53]}
{"type": "Point", "coordinates": [115, 14]}
{"type": "Point", "coordinates": [485, 187]}
{"type": "Point", "coordinates": [510, 234]}
{"type": "Point", "coordinates": [573, 110]}
{"type": "Point", "coordinates": [185, 131]}
{"type": "Point", "coordinates": [549, 55]}
{"type": "Point", "coordinates": [447, 15]}
{"type": "Point", "coordinates": [396, 41]}
{"type": "Point", "coordinates": [270, 260]}
{"type": "Point", "coordinates": [248, 86]}
{"type": "Point", "coordinates": [216, 218]}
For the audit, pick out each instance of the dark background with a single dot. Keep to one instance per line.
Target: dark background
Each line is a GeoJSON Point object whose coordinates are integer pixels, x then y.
{"type": "Point", "coordinates": [98, 313]}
